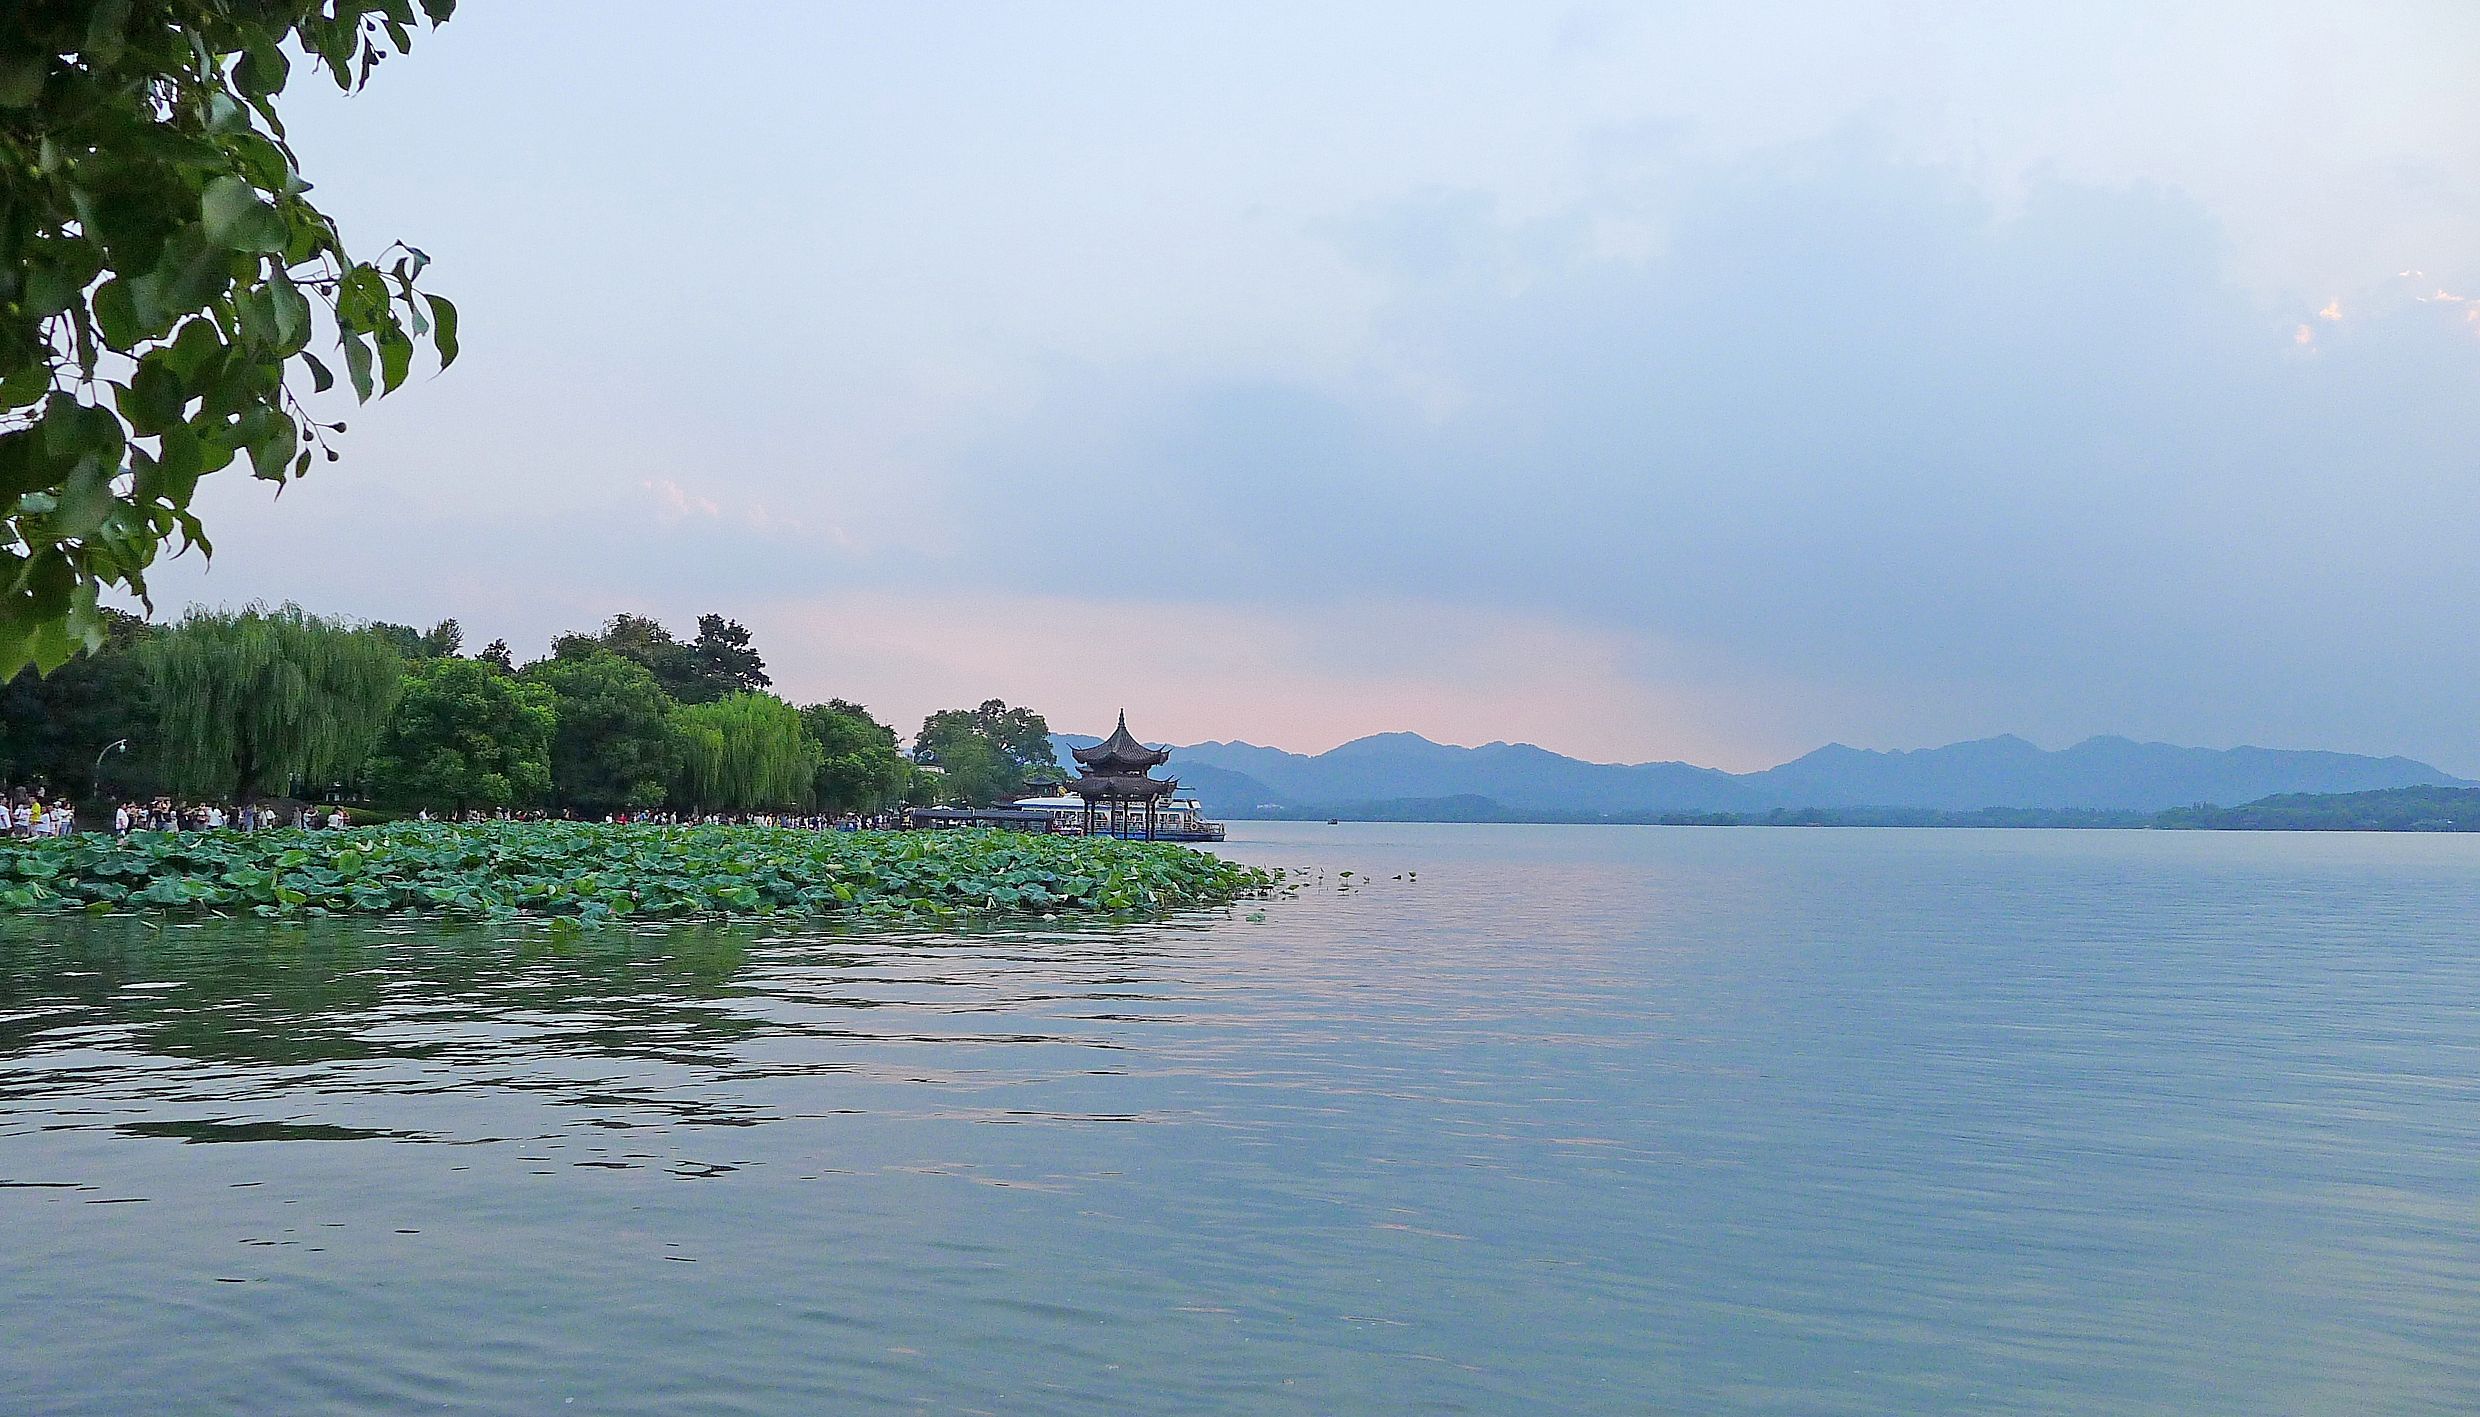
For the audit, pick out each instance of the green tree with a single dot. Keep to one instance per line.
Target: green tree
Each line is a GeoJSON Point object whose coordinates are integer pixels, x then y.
{"type": "Point", "coordinates": [699, 672]}
{"type": "Point", "coordinates": [745, 752]}
{"type": "Point", "coordinates": [53, 727]}
{"type": "Point", "coordinates": [612, 750]}
{"type": "Point", "coordinates": [465, 734]}
{"type": "Point", "coordinates": [724, 657]}
{"type": "Point", "coordinates": [440, 641]}
{"type": "Point", "coordinates": [925, 786]}
{"type": "Point", "coordinates": [859, 769]}
{"type": "Point", "coordinates": [644, 640]}
{"type": "Point", "coordinates": [697, 760]}
{"type": "Point", "coordinates": [247, 703]}
{"type": "Point", "coordinates": [162, 271]}
{"type": "Point", "coordinates": [970, 772]}
{"type": "Point", "coordinates": [989, 753]}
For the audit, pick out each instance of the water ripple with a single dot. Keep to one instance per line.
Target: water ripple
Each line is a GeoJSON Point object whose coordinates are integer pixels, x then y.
{"type": "Point", "coordinates": [1512, 1120]}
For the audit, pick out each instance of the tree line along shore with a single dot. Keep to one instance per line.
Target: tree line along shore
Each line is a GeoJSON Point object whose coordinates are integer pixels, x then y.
{"type": "Point", "coordinates": [221, 709]}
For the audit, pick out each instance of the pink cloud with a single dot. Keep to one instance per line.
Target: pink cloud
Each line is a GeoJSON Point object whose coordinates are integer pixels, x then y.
{"type": "Point", "coordinates": [1303, 680]}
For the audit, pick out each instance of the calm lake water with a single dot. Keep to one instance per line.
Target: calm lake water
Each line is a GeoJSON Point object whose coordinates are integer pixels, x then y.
{"type": "Point", "coordinates": [1512, 1120]}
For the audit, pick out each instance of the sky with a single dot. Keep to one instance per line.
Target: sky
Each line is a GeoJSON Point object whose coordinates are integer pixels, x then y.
{"type": "Point", "coordinates": [1646, 381]}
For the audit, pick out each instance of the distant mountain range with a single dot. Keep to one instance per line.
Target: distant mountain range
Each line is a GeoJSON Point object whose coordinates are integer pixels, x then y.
{"type": "Point", "coordinates": [1403, 776]}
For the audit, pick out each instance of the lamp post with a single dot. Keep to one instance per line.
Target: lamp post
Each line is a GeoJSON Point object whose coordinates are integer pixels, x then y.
{"type": "Point", "coordinates": [117, 745]}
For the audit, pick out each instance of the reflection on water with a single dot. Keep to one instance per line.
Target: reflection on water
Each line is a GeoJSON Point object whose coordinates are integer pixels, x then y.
{"type": "Point", "coordinates": [1510, 1119]}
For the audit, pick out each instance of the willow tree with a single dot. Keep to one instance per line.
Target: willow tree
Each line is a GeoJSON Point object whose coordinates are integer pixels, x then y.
{"type": "Point", "coordinates": [246, 703]}
{"type": "Point", "coordinates": [164, 277]}
{"type": "Point", "coordinates": [744, 752]}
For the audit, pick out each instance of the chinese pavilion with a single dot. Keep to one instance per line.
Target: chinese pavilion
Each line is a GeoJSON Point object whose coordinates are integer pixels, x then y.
{"type": "Point", "coordinates": [1115, 773]}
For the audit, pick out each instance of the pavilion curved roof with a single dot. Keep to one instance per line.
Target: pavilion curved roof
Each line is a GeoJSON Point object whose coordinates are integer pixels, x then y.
{"type": "Point", "coordinates": [1120, 753]}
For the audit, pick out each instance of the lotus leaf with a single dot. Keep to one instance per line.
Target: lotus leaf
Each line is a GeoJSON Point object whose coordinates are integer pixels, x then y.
{"type": "Point", "coordinates": [591, 873]}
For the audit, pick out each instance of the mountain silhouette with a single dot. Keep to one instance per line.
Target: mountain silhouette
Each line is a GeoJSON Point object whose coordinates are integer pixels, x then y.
{"type": "Point", "coordinates": [1407, 775]}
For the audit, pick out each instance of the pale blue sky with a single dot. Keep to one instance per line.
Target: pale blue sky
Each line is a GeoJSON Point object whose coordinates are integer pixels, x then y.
{"type": "Point", "coordinates": [1646, 381]}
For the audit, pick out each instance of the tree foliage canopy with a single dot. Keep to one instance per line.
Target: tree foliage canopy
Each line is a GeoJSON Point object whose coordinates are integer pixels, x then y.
{"type": "Point", "coordinates": [717, 663]}
{"type": "Point", "coordinates": [467, 734]}
{"type": "Point", "coordinates": [162, 271]}
{"type": "Point", "coordinates": [612, 750]}
{"type": "Point", "coordinates": [54, 727]}
{"type": "Point", "coordinates": [859, 769]}
{"type": "Point", "coordinates": [744, 752]}
{"type": "Point", "coordinates": [725, 658]}
{"type": "Point", "coordinates": [440, 641]}
{"type": "Point", "coordinates": [987, 753]}
{"type": "Point", "coordinates": [235, 705]}
{"type": "Point", "coordinates": [246, 703]}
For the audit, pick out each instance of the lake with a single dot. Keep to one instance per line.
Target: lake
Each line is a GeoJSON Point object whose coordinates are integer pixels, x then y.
{"type": "Point", "coordinates": [1508, 1120]}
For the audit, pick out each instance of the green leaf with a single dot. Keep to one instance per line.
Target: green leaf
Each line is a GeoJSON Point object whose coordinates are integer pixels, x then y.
{"type": "Point", "coordinates": [152, 399]}
{"type": "Point", "coordinates": [107, 31]}
{"type": "Point", "coordinates": [21, 79]}
{"type": "Point", "coordinates": [262, 70]}
{"type": "Point", "coordinates": [238, 219]}
{"type": "Point", "coordinates": [72, 429]}
{"type": "Point", "coordinates": [292, 312]}
{"type": "Point", "coordinates": [443, 328]}
{"type": "Point", "coordinates": [174, 477]}
{"type": "Point", "coordinates": [195, 350]}
{"type": "Point", "coordinates": [274, 446]}
{"type": "Point", "coordinates": [116, 314]}
{"type": "Point", "coordinates": [190, 273]}
{"type": "Point", "coordinates": [84, 500]}
{"type": "Point", "coordinates": [395, 357]}
{"type": "Point", "coordinates": [362, 299]}
{"type": "Point", "coordinates": [49, 290]}
{"type": "Point", "coordinates": [357, 365]}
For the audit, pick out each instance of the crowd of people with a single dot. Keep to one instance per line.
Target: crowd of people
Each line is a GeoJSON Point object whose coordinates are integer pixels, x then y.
{"type": "Point", "coordinates": [669, 818]}
{"type": "Point", "coordinates": [793, 820]}
{"type": "Point", "coordinates": [34, 813]}
{"type": "Point", "coordinates": [28, 814]}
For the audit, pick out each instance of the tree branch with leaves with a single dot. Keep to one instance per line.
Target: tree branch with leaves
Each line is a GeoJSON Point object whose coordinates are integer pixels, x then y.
{"type": "Point", "coordinates": [164, 277]}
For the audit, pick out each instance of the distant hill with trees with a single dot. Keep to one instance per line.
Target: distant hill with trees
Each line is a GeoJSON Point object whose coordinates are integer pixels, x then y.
{"type": "Point", "coordinates": [2103, 781]}
{"type": "Point", "coordinates": [2401, 809]}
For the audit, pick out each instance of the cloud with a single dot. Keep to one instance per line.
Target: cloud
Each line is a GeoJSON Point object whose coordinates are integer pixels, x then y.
{"type": "Point", "coordinates": [1187, 671]}
{"type": "Point", "coordinates": [677, 503]}
{"type": "Point", "coordinates": [1947, 468]}
{"type": "Point", "coordinates": [1763, 374]}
